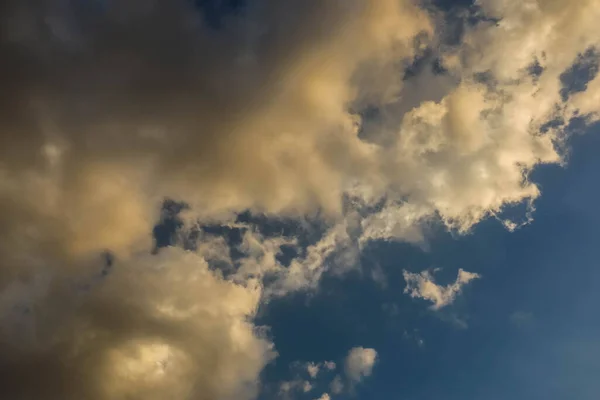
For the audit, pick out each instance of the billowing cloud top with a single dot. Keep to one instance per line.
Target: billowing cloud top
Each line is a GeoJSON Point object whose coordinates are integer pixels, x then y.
{"type": "Point", "coordinates": [292, 109]}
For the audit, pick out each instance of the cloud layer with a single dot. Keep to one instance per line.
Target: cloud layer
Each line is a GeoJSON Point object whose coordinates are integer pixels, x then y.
{"type": "Point", "coordinates": [157, 327]}
{"type": "Point", "coordinates": [293, 109]}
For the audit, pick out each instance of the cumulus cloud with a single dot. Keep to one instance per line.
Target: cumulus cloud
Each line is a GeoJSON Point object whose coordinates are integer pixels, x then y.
{"type": "Point", "coordinates": [359, 363]}
{"type": "Point", "coordinates": [108, 108]}
{"type": "Point", "coordinates": [324, 396]}
{"type": "Point", "coordinates": [169, 120]}
{"type": "Point", "coordinates": [112, 109]}
{"type": "Point", "coordinates": [157, 327]}
{"type": "Point", "coordinates": [109, 126]}
{"type": "Point", "coordinates": [423, 286]}
{"type": "Point", "coordinates": [468, 154]}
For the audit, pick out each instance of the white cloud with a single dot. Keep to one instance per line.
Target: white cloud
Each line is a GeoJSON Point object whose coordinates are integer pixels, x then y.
{"type": "Point", "coordinates": [586, 102]}
{"type": "Point", "coordinates": [324, 396]}
{"type": "Point", "coordinates": [359, 363]}
{"type": "Point", "coordinates": [89, 149]}
{"type": "Point", "coordinates": [423, 286]}
{"type": "Point", "coordinates": [305, 272]}
{"type": "Point", "coordinates": [103, 155]}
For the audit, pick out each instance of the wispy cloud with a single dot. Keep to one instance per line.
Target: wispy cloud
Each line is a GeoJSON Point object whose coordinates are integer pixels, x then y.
{"type": "Point", "coordinates": [423, 286]}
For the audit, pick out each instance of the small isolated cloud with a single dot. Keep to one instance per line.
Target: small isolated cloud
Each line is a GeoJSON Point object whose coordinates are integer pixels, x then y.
{"type": "Point", "coordinates": [313, 369]}
{"type": "Point", "coordinates": [307, 387]}
{"type": "Point", "coordinates": [305, 378]}
{"type": "Point", "coordinates": [330, 365]}
{"type": "Point", "coordinates": [359, 363]}
{"type": "Point", "coordinates": [423, 286]}
{"type": "Point", "coordinates": [324, 396]}
{"type": "Point", "coordinates": [337, 386]}
{"type": "Point", "coordinates": [287, 388]}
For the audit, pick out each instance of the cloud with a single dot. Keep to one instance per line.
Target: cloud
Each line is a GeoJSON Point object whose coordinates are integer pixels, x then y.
{"type": "Point", "coordinates": [586, 102]}
{"type": "Point", "coordinates": [423, 286]}
{"type": "Point", "coordinates": [297, 385]}
{"type": "Point", "coordinates": [336, 386]}
{"type": "Point", "coordinates": [99, 130]}
{"type": "Point", "coordinates": [330, 365]}
{"type": "Point", "coordinates": [307, 387]}
{"type": "Point", "coordinates": [467, 154]}
{"type": "Point", "coordinates": [106, 112]}
{"type": "Point", "coordinates": [313, 369]}
{"type": "Point", "coordinates": [305, 378]}
{"type": "Point", "coordinates": [359, 363]}
{"type": "Point", "coordinates": [157, 327]}
{"type": "Point", "coordinates": [222, 134]}
{"type": "Point", "coordinates": [104, 137]}
{"type": "Point", "coordinates": [324, 396]}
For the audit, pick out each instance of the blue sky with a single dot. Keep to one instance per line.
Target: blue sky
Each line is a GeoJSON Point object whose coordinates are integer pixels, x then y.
{"type": "Point", "coordinates": [299, 200]}
{"type": "Point", "coordinates": [530, 326]}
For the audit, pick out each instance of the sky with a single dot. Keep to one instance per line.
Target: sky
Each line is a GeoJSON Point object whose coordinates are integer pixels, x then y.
{"type": "Point", "coordinates": [299, 199]}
